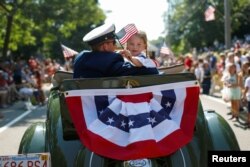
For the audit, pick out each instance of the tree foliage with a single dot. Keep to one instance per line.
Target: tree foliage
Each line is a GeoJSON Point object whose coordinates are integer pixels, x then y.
{"type": "Point", "coordinates": [41, 25]}
{"type": "Point", "coordinates": [188, 28]}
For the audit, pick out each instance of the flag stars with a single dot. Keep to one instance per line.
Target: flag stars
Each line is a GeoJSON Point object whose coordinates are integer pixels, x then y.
{"type": "Point", "coordinates": [131, 123]}
{"type": "Point", "coordinates": [101, 111]}
{"type": "Point", "coordinates": [123, 124]}
{"type": "Point", "coordinates": [168, 104]}
{"type": "Point", "coordinates": [151, 120]}
{"type": "Point", "coordinates": [110, 120]}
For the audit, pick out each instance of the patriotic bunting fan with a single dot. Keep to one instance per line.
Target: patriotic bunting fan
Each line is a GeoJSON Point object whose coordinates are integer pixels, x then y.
{"type": "Point", "coordinates": [135, 123]}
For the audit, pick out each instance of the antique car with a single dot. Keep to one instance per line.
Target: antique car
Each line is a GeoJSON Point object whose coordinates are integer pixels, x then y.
{"type": "Point", "coordinates": [71, 142]}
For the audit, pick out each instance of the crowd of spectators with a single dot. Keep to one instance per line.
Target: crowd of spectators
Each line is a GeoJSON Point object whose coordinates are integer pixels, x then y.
{"type": "Point", "coordinates": [24, 79]}
{"type": "Point", "coordinates": [209, 67]}
{"type": "Point", "coordinates": [223, 73]}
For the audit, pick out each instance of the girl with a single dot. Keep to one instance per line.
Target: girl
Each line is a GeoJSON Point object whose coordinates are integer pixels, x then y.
{"type": "Point", "coordinates": [233, 82]}
{"type": "Point", "coordinates": [206, 83]}
{"type": "Point", "coordinates": [136, 51]}
{"type": "Point", "coordinates": [243, 74]}
{"type": "Point", "coordinates": [39, 94]}
{"type": "Point", "coordinates": [246, 96]}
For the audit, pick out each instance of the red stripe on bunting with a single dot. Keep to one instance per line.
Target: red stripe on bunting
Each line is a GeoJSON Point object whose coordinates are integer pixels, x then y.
{"type": "Point", "coordinates": [190, 110]}
{"type": "Point", "coordinates": [144, 97]}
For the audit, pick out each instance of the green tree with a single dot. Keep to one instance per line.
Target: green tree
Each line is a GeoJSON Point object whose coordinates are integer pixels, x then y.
{"type": "Point", "coordinates": [40, 25]}
{"type": "Point", "coordinates": [188, 29]}
{"type": "Point", "coordinates": [240, 18]}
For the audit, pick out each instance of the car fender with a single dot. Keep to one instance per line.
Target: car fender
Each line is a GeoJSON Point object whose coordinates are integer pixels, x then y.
{"type": "Point", "coordinates": [33, 140]}
{"type": "Point", "coordinates": [221, 134]}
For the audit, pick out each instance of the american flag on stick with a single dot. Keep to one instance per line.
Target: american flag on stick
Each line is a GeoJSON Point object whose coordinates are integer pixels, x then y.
{"type": "Point", "coordinates": [125, 33]}
{"type": "Point", "coordinates": [209, 13]}
{"type": "Point", "coordinates": [165, 50]}
{"type": "Point", "coordinates": [67, 52]}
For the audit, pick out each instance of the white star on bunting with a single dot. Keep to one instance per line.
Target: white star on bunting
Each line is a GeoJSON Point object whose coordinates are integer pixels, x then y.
{"type": "Point", "coordinates": [168, 104]}
{"type": "Point", "coordinates": [131, 123]}
{"type": "Point", "coordinates": [123, 124]}
{"type": "Point", "coordinates": [151, 120]}
{"type": "Point", "coordinates": [110, 120]}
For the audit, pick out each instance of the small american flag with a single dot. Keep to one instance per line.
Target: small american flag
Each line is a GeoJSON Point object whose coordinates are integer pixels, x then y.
{"type": "Point", "coordinates": [67, 52]}
{"type": "Point", "coordinates": [165, 50]}
{"type": "Point", "coordinates": [209, 13]}
{"type": "Point", "coordinates": [125, 33]}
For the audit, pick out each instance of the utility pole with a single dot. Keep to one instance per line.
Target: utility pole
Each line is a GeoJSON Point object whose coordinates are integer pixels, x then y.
{"type": "Point", "coordinates": [227, 13]}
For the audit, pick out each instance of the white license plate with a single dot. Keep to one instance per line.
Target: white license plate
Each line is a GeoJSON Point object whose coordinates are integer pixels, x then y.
{"type": "Point", "coordinates": [26, 160]}
{"type": "Point", "coordinates": [138, 163]}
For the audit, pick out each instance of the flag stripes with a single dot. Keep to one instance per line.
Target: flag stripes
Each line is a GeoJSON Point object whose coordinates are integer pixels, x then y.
{"type": "Point", "coordinates": [125, 33]}
{"type": "Point", "coordinates": [209, 13]}
{"type": "Point", "coordinates": [165, 49]}
{"type": "Point", "coordinates": [67, 52]}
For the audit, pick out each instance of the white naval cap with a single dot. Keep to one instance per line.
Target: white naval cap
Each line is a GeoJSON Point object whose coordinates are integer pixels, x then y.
{"type": "Point", "coordinates": [100, 34]}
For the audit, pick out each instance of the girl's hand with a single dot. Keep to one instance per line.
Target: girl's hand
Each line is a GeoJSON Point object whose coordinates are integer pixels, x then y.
{"type": "Point", "coordinates": [126, 54]}
{"type": "Point", "coordinates": [244, 99]}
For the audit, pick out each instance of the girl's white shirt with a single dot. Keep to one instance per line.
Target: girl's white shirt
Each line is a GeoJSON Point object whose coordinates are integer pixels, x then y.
{"type": "Point", "coordinates": [145, 61]}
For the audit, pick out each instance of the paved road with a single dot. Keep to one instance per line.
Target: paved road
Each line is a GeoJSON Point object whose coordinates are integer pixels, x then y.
{"type": "Point", "coordinates": [217, 104]}
{"type": "Point", "coordinates": [17, 118]}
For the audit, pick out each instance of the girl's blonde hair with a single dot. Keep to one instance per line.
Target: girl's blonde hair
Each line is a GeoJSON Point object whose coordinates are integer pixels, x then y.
{"type": "Point", "coordinates": [230, 65]}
